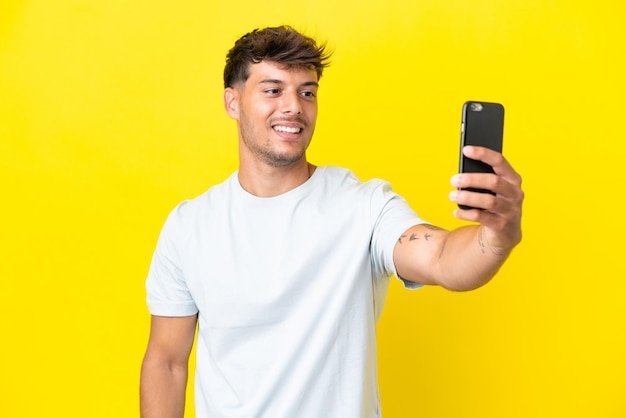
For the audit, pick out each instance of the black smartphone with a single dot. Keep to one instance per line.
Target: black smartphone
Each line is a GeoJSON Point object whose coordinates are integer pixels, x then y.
{"type": "Point", "coordinates": [482, 124]}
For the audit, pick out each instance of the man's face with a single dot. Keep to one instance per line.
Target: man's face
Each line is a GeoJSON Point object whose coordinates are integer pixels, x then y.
{"type": "Point", "coordinates": [276, 109]}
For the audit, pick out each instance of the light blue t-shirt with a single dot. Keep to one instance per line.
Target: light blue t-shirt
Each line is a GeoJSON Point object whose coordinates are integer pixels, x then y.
{"type": "Point", "coordinates": [287, 289]}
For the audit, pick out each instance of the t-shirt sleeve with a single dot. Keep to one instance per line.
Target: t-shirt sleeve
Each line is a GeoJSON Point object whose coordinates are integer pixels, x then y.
{"type": "Point", "coordinates": [167, 291]}
{"type": "Point", "coordinates": [392, 216]}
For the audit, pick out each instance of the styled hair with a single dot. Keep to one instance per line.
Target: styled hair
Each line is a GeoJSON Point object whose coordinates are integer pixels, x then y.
{"type": "Point", "coordinates": [282, 45]}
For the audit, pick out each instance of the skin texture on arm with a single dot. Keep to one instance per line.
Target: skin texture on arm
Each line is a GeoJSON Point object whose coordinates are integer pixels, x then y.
{"type": "Point", "coordinates": [467, 257]}
{"type": "Point", "coordinates": [164, 369]}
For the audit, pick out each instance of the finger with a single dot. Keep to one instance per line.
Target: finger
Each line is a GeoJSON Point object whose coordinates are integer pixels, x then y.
{"type": "Point", "coordinates": [496, 160]}
{"type": "Point", "coordinates": [473, 199]}
{"type": "Point", "coordinates": [484, 181]}
{"type": "Point", "coordinates": [505, 198]}
{"type": "Point", "coordinates": [500, 216]}
{"type": "Point", "coordinates": [471, 215]}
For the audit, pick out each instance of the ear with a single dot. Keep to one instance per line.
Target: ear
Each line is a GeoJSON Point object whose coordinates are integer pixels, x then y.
{"type": "Point", "coordinates": [231, 102]}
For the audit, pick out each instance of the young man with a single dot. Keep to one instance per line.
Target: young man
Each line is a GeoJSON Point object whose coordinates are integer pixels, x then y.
{"type": "Point", "coordinates": [285, 265]}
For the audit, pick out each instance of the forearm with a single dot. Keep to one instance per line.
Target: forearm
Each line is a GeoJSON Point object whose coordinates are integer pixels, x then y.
{"type": "Point", "coordinates": [466, 260]}
{"type": "Point", "coordinates": [162, 390]}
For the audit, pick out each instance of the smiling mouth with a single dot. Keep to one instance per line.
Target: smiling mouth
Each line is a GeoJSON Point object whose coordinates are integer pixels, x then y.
{"type": "Point", "coordinates": [287, 129]}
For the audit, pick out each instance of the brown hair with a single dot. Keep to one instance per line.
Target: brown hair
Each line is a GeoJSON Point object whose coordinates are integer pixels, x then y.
{"type": "Point", "coordinates": [282, 45]}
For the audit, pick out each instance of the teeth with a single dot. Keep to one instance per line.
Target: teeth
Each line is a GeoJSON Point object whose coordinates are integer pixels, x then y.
{"type": "Point", "coordinates": [287, 129]}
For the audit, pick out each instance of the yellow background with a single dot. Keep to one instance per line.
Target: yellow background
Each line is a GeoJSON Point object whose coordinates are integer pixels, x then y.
{"type": "Point", "coordinates": [111, 113]}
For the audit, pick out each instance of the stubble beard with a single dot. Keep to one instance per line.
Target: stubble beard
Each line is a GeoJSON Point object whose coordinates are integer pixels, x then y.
{"type": "Point", "coordinates": [264, 151]}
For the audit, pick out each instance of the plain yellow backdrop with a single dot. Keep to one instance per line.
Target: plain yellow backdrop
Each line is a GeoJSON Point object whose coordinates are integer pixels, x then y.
{"type": "Point", "coordinates": [111, 113]}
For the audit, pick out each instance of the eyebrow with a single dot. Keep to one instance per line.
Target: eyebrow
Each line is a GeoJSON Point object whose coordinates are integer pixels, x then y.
{"type": "Point", "coordinates": [275, 81]}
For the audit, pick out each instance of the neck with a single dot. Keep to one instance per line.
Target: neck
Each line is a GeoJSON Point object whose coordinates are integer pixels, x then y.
{"type": "Point", "coordinates": [262, 180]}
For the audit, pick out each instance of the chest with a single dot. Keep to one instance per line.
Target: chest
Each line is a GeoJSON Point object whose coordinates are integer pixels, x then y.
{"type": "Point", "coordinates": [256, 267]}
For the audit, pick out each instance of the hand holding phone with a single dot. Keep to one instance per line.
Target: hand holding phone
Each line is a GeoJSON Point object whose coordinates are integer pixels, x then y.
{"type": "Point", "coordinates": [482, 125]}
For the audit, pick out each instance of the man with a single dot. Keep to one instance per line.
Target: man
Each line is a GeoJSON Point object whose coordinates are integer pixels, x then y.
{"type": "Point", "coordinates": [285, 265]}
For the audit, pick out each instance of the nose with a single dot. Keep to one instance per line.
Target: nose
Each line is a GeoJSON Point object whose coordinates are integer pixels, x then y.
{"type": "Point", "coordinates": [291, 103]}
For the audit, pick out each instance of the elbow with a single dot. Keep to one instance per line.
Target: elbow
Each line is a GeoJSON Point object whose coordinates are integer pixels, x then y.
{"type": "Point", "coordinates": [464, 284]}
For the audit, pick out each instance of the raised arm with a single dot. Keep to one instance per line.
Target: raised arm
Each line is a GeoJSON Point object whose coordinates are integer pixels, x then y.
{"type": "Point", "coordinates": [164, 368]}
{"type": "Point", "coordinates": [467, 257]}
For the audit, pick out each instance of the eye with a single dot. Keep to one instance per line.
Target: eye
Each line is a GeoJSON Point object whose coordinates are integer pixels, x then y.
{"type": "Point", "coordinates": [272, 91]}
{"type": "Point", "coordinates": [309, 94]}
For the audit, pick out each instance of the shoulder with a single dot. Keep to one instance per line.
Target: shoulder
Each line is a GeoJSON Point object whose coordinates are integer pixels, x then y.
{"type": "Point", "coordinates": [344, 178]}
{"type": "Point", "coordinates": [374, 195]}
{"type": "Point", "coordinates": [187, 213]}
